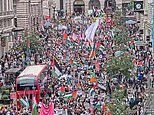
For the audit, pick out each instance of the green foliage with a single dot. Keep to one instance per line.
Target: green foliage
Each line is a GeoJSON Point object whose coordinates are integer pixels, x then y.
{"type": "Point", "coordinates": [7, 92]}
{"type": "Point", "coordinates": [35, 42]}
{"type": "Point", "coordinates": [116, 106]}
{"type": "Point", "coordinates": [5, 97]}
{"type": "Point", "coordinates": [120, 65]}
{"type": "Point", "coordinates": [131, 5]}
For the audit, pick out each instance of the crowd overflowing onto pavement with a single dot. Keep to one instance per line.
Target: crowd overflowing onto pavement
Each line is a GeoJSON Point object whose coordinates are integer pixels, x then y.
{"type": "Point", "coordinates": [83, 87]}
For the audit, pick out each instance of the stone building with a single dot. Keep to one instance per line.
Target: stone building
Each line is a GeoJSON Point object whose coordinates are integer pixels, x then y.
{"type": "Point", "coordinates": [6, 25]}
{"type": "Point", "coordinates": [28, 14]}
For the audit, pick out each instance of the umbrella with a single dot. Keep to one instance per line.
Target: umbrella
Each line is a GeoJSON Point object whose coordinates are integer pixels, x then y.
{"type": "Point", "coordinates": [116, 30]}
{"type": "Point", "coordinates": [119, 53]}
{"type": "Point", "coordinates": [139, 43]}
{"type": "Point", "coordinates": [60, 27]}
{"type": "Point", "coordinates": [130, 22]}
{"type": "Point", "coordinates": [47, 25]}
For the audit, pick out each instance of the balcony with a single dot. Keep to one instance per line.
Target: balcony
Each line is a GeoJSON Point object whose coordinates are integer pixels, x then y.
{"type": "Point", "coordinates": [6, 14]}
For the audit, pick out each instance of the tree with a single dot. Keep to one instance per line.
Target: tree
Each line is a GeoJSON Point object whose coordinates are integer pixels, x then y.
{"type": "Point", "coordinates": [120, 65]}
{"type": "Point", "coordinates": [117, 105]}
{"type": "Point", "coordinates": [32, 40]}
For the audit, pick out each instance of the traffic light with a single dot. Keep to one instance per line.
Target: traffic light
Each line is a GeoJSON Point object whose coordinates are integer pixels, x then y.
{"type": "Point", "coordinates": [15, 22]}
{"type": "Point", "coordinates": [3, 42]}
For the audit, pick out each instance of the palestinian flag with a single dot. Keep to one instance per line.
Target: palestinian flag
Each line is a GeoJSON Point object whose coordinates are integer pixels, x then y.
{"type": "Point", "coordinates": [76, 44]}
{"type": "Point", "coordinates": [74, 94]}
{"type": "Point", "coordinates": [79, 86]}
{"type": "Point", "coordinates": [93, 52]}
{"type": "Point", "coordinates": [24, 103]}
{"type": "Point", "coordinates": [65, 36]}
{"type": "Point", "coordinates": [58, 69]}
{"type": "Point", "coordinates": [62, 91]}
{"type": "Point", "coordinates": [68, 96]}
{"type": "Point", "coordinates": [34, 106]}
{"type": "Point", "coordinates": [68, 41]}
{"type": "Point", "coordinates": [71, 96]}
{"type": "Point", "coordinates": [99, 46]}
{"type": "Point", "coordinates": [93, 77]}
{"type": "Point", "coordinates": [98, 105]}
{"type": "Point", "coordinates": [71, 61]}
{"type": "Point", "coordinates": [92, 92]}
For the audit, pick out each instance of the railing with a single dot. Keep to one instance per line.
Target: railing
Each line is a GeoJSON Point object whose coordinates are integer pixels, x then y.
{"type": "Point", "coordinates": [6, 13]}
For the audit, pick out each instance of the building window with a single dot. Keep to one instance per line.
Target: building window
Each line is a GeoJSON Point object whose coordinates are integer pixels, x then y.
{"type": "Point", "coordinates": [1, 24]}
{"type": "Point", "coordinates": [5, 23]}
{"type": "Point", "coordinates": [1, 7]}
{"type": "Point", "coordinates": [9, 22]}
{"type": "Point", "coordinates": [61, 4]}
{"type": "Point", "coordinates": [8, 5]}
{"type": "Point", "coordinates": [5, 5]}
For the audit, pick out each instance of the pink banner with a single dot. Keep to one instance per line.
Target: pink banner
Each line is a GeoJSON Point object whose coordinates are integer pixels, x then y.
{"type": "Point", "coordinates": [47, 110]}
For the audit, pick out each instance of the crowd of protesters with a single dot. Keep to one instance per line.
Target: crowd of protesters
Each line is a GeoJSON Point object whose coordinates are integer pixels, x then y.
{"type": "Point", "coordinates": [78, 66]}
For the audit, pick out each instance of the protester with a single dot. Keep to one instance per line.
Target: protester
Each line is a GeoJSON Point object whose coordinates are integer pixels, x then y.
{"type": "Point", "coordinates": [83, 67]}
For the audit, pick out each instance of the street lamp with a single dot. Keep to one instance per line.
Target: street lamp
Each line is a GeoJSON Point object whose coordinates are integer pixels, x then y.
{"type": "Point", "coordinates": [54, 9]}
{"type": "Point", "coordinates": [49, 4]}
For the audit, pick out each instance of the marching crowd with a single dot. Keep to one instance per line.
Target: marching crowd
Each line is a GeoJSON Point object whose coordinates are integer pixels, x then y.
{"type": "Point", "coordinates": [83, 86]}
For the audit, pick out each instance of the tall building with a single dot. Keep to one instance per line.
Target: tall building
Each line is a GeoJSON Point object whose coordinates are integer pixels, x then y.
{"type": "Point", "coordinates": [28, 14]}
{"type": "Point", "coordinates": [6, 25]}
{"type": "Point", "coordinates": [71, 6]}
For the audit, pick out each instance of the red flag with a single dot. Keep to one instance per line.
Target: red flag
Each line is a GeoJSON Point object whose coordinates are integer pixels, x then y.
{"type": "Point", "coordinates": [98, 45]}
{"type": "Point", "coordinates": [28, 43]}
{"type": "Point", "coordinates": [47, 110]}
{"type": "Point", "coordinates": [79, 85]}
{"type": "Point", "coordinates": [74, 94]}
{"type": "Point", "coordinates": [62, 89]}
{"type": "Point", "coordinates": [104, 108]}
{"type": "Point", "coordinates": [65, 36]}
{"type": "Point", "coordinates": [52, 63]}
{"type": "Point", "coordinates": [71, 61]}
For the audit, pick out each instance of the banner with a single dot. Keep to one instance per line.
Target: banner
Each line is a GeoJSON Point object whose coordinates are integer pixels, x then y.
{"type": "Point", "coordinates": [91, 30]}
{"type": "Point", "coordinates": [47, 110]}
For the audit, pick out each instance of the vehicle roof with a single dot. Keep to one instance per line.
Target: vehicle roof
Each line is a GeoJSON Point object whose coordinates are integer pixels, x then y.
{"type": "Point", "coordinates": [32, 70]}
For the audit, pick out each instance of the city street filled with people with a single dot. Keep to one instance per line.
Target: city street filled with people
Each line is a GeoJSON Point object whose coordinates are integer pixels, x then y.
{"type": "Point", "coordinates": [83, 77]}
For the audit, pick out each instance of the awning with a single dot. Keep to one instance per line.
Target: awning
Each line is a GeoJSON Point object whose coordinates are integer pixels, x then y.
{"type": "Point", "coordinates": [139, 43]}
{"type": "Point", "coordinates": [130, 22]}
{"type": "Point", "coordinates": [119, 53]}
{"type": "Point", "coordinates": [13, 70]}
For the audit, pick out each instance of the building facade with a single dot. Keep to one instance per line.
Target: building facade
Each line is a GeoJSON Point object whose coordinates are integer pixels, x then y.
{"type": "Point", "coordinates": [28, 14]}
{"type": "Point", "coordinates": [71, 6]}
{"type": "Point", "coordinates": [6, 25]}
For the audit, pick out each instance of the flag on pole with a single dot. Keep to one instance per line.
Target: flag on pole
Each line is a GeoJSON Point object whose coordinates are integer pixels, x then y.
{"type": "Point", "coordinates": [65, 36]}
{"type": "Point", "coordinates": [91, 30]}
{"type": "Point", "coordinates": [24, 103]}
{"type": "Point", "coordinates": [74, 94]}
{"type": "Point", "coordinates": [28, 43]}
{"type": "Point", "coordinates": [62, 91]}
{"type": "Point", "coordinates": [92, 91]}
{"type": "Point", "coordinates": [57, 67]}
{"type": "Point", "coordinates": [34, 106]}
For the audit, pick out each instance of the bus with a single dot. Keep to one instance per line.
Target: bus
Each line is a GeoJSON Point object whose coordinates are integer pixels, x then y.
{"type": "Point", "coordinates": [30, 83]}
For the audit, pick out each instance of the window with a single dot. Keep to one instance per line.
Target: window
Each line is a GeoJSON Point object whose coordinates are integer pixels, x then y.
{"type": "Point", "coordinates": [61, 4]}
{"type": "Point", "coordinates": [5, 5]}
{"type": "Point", "coordinates": [1, 24]}
{"type": "Point", "coordinates": [5, 23]}
{"type": "Point", "coordinates": [1, 8]}
{"type": "Point", "coordinates": [8, 5]}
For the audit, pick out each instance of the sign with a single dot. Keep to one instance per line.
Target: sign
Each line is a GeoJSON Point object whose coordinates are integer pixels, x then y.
{"type": "Point", "coordinates": [138, 6]}
{"type": "Point", "coordinates": [13, 95]}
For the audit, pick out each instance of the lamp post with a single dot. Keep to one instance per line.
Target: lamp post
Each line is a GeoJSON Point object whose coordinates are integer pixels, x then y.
{"type": "Point", "coordinates": [54, 9]}
{"type": "Point", "coordinates": [153, 27]}
{"type": "Point", "coordinates": [49, 5]}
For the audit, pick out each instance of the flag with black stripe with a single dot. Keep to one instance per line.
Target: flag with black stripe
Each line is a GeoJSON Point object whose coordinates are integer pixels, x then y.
{"type": "Point", "coordinates": [57, 68]}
